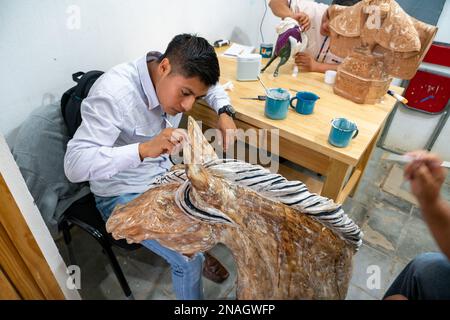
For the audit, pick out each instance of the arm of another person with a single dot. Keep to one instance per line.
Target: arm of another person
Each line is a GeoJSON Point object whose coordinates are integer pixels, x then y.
{"type": "Point", "coordinates": [281, 9]}
{"type": "Point", "coordinates": [426, 177]}
{"type": "Point", "coordinates": [307, 63]}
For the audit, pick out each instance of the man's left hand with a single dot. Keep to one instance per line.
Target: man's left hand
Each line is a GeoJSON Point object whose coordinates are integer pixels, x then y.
{"type": "Point", "coordinates": [228, 129]}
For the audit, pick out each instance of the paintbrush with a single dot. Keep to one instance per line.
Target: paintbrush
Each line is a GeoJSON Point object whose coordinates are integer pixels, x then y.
{"type": "Point", "coordinates": [265, 88]}
{"type": "Point", "coordinates": [186, 140]}
{"type": "Point", "coordinates": [407, 159]}
{"type": "Point", "coordinates": [168, 122]}
{"type": "Point", "coordinates": [398, 97]}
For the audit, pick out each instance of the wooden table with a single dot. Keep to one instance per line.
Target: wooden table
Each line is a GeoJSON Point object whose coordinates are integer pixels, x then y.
{"type": "Point", "coordinates": [304, 139]}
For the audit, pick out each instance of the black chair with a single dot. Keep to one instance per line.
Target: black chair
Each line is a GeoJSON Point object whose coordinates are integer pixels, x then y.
{"type": "Point", "coordinates": [84, 214]}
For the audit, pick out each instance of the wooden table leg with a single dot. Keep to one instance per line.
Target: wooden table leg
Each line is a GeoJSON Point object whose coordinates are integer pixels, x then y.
{"type": "Point", "coordinates": [335, 179]}
{"type": "Point", "coordinates": [364, 161]}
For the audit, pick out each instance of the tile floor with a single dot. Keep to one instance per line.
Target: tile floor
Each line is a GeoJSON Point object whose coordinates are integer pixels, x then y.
{"type": "Point", "coordinates": [394, 234]}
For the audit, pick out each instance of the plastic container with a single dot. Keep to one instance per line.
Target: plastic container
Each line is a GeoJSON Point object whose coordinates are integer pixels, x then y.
{"type": "Point", "coordinates": [266, 50]}
{"type": "Point", "coordinates": [248, 67]}
{"type": "Point", "coordinates": [330, 77]}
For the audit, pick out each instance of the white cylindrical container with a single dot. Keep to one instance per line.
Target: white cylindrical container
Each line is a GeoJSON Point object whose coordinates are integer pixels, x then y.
{"type": "Point", "coordinates": [330, 77]}
{"type": "Point", "coordinates": [248, 67]}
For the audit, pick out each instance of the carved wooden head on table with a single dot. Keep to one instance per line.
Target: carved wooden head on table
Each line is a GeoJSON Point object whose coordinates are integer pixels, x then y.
{"type": "Point", "coordinates": [379, 41]}
{"type": "Point", "coordinates": [287, 242]}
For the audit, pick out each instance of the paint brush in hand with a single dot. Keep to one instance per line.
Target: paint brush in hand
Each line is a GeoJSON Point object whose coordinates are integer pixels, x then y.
{"type": "Point", "coordinates": [407, 159]}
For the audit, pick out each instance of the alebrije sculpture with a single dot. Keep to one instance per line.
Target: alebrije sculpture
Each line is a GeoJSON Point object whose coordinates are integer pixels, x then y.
{"type": "Point", "coordinates": [287, 243]}
{"type": "Point", "coordinates": [290, 41]}
{"type": "Point", "coordinates": [378, 40]}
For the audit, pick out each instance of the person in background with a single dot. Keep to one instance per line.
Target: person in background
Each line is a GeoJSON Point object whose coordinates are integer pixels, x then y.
{"type": "Point", "coordinates": [427, 277]}
{"type": "Point", "coordinates": [314, 19]}
{"type": "Point", "coordinates": [130, 126]}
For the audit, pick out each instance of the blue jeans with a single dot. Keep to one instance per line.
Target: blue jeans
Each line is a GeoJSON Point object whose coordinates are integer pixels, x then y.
{"type": "Point", "coordinates": [427, 277]}
{"type": "Point", "coordinates": [186, 272]}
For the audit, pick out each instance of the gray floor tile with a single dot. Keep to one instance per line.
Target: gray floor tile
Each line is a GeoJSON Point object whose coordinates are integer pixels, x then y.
{"type": "Point", "coordinates": [376, 196]}
{"type": "Point", "coordinates": [361, 189]}
{"type": "Point", "coordinates": [356, 211]}
{"type": "Point", "coordinates": [356, 293]}
{"type": "Point", "coordinates": [368, 263]}
{"type": "Point", "coordinates": [163, 289]}
{"type": "Point", "coordinates": [384, 199]}
{"type": "Point", "coordinates": [383, 228]}
{"type": "Point", "coordinates": [376, 171]}
{"type": "Point", "coordinates": [415, 239]}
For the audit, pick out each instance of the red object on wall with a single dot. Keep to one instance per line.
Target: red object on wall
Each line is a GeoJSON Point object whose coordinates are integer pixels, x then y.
{"type": "Point", "coordinates": [430, 92]}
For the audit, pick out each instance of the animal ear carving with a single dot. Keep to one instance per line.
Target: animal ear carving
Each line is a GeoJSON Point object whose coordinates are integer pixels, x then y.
{"type": "Point", "coordinates": [197, 150]}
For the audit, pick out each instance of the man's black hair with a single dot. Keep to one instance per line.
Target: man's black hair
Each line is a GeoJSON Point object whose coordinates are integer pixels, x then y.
{"type": "Point", "coordinates": [347, 3]}
{"type": "Point", "coordinates": [193, 56]}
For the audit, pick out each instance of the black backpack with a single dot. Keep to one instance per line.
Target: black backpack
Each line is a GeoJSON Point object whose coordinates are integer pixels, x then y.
{"type": "Point", "coordinates": [71, 99]}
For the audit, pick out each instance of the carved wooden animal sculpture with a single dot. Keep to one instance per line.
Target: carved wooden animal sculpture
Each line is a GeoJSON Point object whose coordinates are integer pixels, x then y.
{"type": "Point", "coordinates": [289, 42]}
{"type": "Point", "coordinates": [287, 242]}
{"type": "Point", "coordinates": [379, 41]}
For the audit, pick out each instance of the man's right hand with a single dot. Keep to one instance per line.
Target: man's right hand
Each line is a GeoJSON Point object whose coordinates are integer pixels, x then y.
{"type": "Point", "coordinates": [303, 20]}
{"type": "Point", "coordinates": [426, 176]}
{"type": "Point", "coordinates": [170, 141]}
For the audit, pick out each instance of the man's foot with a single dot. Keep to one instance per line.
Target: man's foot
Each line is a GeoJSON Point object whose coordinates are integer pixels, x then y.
{"type": "Point", "coordinates": [214, 270]}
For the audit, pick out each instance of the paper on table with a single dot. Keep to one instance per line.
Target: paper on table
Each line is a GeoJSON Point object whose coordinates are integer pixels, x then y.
{"type": "Point", "coordinates": [238, 49]}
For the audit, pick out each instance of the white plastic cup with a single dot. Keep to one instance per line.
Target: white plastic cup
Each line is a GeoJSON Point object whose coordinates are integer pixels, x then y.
{"type": "Point", "coordinates": [330, 77]}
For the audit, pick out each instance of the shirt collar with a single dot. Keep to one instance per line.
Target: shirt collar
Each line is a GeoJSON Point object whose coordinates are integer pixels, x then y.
{"type": "Point", "coordinates": [147, 84]}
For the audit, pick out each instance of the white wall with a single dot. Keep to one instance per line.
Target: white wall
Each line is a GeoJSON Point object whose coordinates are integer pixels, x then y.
{"type": "Point", "coordinates": [444, 24]}
{"type": "Point", "coordinates": [38, 52]}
